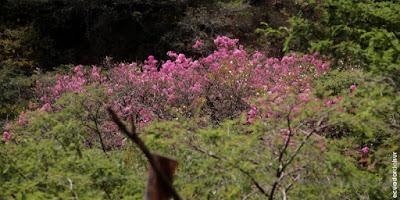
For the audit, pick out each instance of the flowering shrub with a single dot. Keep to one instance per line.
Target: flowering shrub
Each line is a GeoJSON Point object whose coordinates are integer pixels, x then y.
{"type": "Point", "coordinates": [221, 85]}
{"type": "Point", "coordinates": [296, 121]}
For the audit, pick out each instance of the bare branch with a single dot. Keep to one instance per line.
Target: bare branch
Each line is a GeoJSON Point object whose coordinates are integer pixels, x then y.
{"type": "Point", "coordinates": [133, 136]}
{"type": "Point", "coordinates": [94, 118]}
{"type": "Point", "coordinates": [283, 165]}
{"type": "Point", "coordinates": [287, 142]}
{"type": "Point", "coordinates": [283, 194]}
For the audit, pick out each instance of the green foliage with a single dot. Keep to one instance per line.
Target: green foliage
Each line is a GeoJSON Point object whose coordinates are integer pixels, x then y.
{"type": "Point", "coordinates": [16, 66]}
{"type": "Point", "coordinates": [338, 178]}
{"type": "Point", "coordinates": [369, 116]}
{"type": "Point", "coordinates": [373, 104]}
{"type": "Point", "coordinates": [46, 170]}
{"type": "Point", "coordinates": [71, 152]}
{"type": "Point", "coordinates": [49, 158]}
{"type": "Point", "coordinates": [354, 33]}
{"type": "Point", "coordinates": [362, 40]}
{"type": "Point", "coordinates": [214, 163]}
{"type": "Point", "coordinates": [318, 173]}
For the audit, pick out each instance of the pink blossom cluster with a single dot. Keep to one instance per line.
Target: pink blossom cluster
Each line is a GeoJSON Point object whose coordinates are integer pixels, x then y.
{"type": "Point", "coordinates": [333, 101]}
{"type": "Point", "coordinates": [198, 44]}
{"type": "Point", "coordinates": [48, 92]}
{"type": "Point", "coordinates": [221, 85]}
{"type": "Point", "coordinates": [365, 150]}
{"type": "Point", "coordinates": [6, 136]}
{"type": "Point", "coordinates": [251, 115]}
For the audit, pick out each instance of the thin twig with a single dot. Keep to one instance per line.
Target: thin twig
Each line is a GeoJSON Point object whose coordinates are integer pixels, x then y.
{"type": "Point", "coordinates": [255, 182]}
{"type": "Point", "coordinates": [283, 165]}
{"type": "Point", "coordinates": [97, 130]}
{"type": "Point", "coordinates": [287, 142]}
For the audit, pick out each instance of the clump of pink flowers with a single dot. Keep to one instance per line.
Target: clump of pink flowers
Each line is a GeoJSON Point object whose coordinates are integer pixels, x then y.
{"type": "Point", "coordinates": [221, 84]}
{"type": "Point", "coordinates": [251, 115]}
{"type": "Point", "coordinates": [353, 87]}
{"type": "Point", "coordinates": [198, 44]}
{"type": "Point", "coordinates": [365, 150]}
{"type": "Point", "coordinates": [6, 136]}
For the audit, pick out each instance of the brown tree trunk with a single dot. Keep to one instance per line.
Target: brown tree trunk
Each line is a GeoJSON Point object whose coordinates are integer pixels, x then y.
{"type": "Point", "coordinates": [155, 190]}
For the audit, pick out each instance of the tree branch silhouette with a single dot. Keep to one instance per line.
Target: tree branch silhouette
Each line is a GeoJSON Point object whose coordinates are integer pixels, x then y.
{"type": "Point", "coordinates": [135, 139]}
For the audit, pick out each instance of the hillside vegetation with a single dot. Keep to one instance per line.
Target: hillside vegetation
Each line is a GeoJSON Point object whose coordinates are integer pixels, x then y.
{"type": "Point", "coordinates": [286, 99]}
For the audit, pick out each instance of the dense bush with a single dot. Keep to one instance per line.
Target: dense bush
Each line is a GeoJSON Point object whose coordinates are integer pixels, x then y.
{"type": "Point", "coordinates": [220, 85]}
{"type": "Point", "coordinates": [42, 35]}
